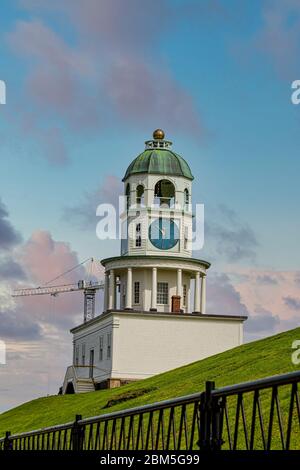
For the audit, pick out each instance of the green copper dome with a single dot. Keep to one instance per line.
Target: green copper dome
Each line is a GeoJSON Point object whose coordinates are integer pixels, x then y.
{"type": "Point", "coordinates": [159, 161]}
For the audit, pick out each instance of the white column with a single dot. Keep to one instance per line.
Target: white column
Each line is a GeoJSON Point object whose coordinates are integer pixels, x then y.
{"type": "Point", "coordinates": [106, 293]}
{"type": "Point", "coordinates": [179, 285]}
{"type": "Point", "coordinates": [129, 289]}
{"type": "Point", "coordinates": [203, 294]}
{"type": "Point", "coordinates": [188, 296]}
{"type": "Point", "coordinates": [112, 289]}
{"type": "Point", "coordinates": [154, 289]}
{"type": "Point", "coordinates": [197, 293]}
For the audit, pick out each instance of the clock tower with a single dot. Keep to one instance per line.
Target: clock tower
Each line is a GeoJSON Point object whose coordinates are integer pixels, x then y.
{"type": "Point", "coordinates": [156, 269]}
{"type": "Point", "coordinates": [154, 317]}
{"type": "Point", "coordinates": [158, 189]}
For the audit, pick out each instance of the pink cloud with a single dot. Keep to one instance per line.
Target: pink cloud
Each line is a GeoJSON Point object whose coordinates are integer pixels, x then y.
{"type": "Point", "coordinates": [38, 42]}
{"type": "Point", "coordinates": [56, 70]}
{"type": "Point", "coordinates": [222, 296]}
{"type": "Point", "coordinates": [35, 328]}
{"type": "Point", "coordinates": [110, 72]}
{"type": "Point", "coordinates": [137, 89]}
{"type": "Point", "coordinates": [119, 24]}
{"type": "Point", "coordinates": [269, 299]}
{"type": "Point", "coordinates": [57, 85]}
{"type": "Point", "coordinates": [278, 37]}
{"type": "Point", "coordinates": [267, 290]}
{"type": "Point", "coordinates": [43, 259]}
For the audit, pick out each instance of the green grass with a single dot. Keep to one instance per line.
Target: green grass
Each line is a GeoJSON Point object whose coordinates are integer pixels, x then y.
{"type": "Point", "coordinates": [251, 361]}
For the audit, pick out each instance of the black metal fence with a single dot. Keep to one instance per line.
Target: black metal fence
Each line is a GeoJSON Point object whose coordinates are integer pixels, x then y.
{"type": "Point", "coordinates": [263, 414]}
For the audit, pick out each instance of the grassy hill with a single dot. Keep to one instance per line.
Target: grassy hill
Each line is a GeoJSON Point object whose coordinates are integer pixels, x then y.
{"type": "Point", "coordinates": [251, 361]}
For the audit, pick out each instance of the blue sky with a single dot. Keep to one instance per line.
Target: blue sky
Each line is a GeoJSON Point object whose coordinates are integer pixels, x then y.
{"type": "Point", "coordinates": [87, 85]}
{"type": "Point", "coordinates": [246, 159]}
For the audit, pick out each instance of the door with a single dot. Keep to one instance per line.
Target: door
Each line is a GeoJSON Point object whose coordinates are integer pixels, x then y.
{"type": "Point", "coordinates": [91, 363]}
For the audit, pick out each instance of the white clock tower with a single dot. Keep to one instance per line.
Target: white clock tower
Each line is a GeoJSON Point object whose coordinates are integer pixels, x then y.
{"type": "Point", "coordinates": [156, 267]}
{"type": "Point", "coordinates": [158, 189]}
{"type": "Point", "coordinates": [154, 316]}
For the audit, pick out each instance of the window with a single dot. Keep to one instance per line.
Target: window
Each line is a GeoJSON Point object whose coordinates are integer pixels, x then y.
{"type": "Point", "coordinates": [137, 292]}
{"type": "Point", "coordinates": [108, 345]}
{"type": "Point", "coordinates": [186, 237]}
{"type": "Point", "coordinates": [77, 356]}
{"type": "Point", "coordinates": [83, 354]}
{"type": "Point", "coordinates": [101, 348]}
{"type": "Point", "coordinates": [184, 294]}
{"type": "Point", "coordinates": [128, 196]}
{"type": "Point", "coordinates": [140, 194]}
{"type": "Point", "coordinates": [186, 199]}
{"type": "Point", "coordinates": [162, 293]}
{"type": "Point", "coordinates": [138, 235]}
{"type": "Point", "coordinates": [123, 295]}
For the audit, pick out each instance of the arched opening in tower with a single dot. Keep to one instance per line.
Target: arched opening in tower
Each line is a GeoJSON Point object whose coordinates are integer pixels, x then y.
{"type": "Point", "coordinates": [140, 195]}
{"type": "Point", "coordinates": [164, 193]}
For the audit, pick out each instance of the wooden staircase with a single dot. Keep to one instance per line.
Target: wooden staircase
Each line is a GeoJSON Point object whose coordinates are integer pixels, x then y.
{"type": "Point", "coordinates": [80, 383]}
{"type": "Point", "coordinates": [84, 385]}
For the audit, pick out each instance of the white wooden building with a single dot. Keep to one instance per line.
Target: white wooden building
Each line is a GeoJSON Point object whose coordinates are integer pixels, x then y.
{"type": "Point", "coordinates": [154, 316]}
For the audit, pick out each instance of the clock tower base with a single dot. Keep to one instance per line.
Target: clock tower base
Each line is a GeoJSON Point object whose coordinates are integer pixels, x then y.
{"type": "Point", "coordinates": [136, 345]}
{"type": "Point", "coordinates": [151, 283]}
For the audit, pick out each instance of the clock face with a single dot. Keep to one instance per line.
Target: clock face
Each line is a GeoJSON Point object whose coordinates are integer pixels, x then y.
{"type": "Point", "coordinates": [163, 233]}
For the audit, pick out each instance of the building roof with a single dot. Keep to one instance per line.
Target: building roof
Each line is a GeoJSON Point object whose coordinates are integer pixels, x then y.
{"type": "Point", "coordinates": [175, 259]}
{"type": "Point", "coordinates": [160, 161]}
{"type": "Point", "coordinates": [172, 315]}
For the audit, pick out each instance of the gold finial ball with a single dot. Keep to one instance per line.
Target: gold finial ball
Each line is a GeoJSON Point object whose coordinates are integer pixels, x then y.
{"type": "Point", "coordinates": [158, 134]}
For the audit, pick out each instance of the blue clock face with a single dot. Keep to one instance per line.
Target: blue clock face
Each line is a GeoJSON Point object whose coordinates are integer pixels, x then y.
{"type": "Point", "coordinates": [163, 233]}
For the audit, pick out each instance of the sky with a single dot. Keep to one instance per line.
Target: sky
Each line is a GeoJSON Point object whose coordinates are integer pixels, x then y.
{"type": "Point", "coordinates": [87, 82]}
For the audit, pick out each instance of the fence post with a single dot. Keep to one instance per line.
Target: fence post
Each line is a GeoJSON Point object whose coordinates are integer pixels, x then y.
{"type": "Point", "coordinates": [210, 420]}
{"type": "Point", "coordinates": [7, 441]}
{"type": "Point", "coordinates": [77, 434]}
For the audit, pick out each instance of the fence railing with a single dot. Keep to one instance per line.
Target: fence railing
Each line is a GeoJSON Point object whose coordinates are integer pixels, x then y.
{"type": "Point", "coordinates": [262, 414]}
